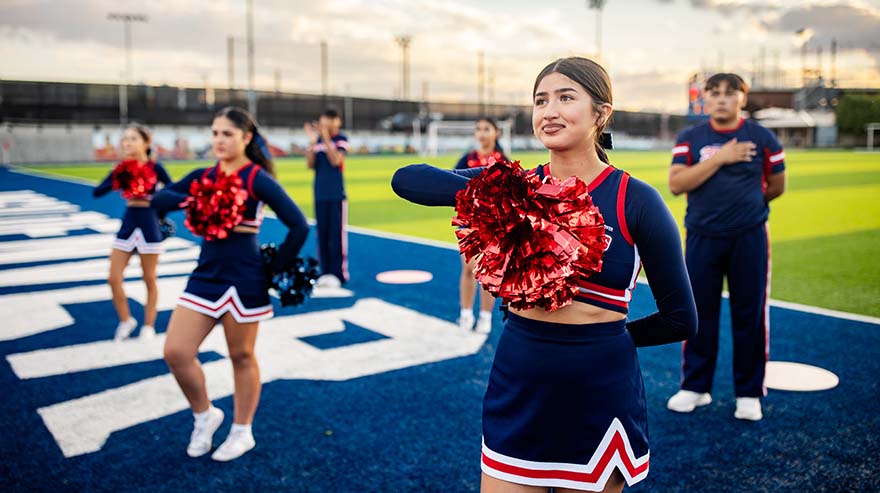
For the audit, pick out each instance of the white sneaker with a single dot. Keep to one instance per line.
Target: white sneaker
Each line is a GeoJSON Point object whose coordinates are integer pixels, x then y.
{"type": "Point", "coordinates": [236, 445]}
{"type": "Point", "coordinates": [328, 281]}
{"type": "Point", "coordinates": [748, 408]}
{"type": "Point", "coordinates": [484, 325]}
{"type": "Point", "coordinates": [147, 332]}
{"type": "Point", "coordinates": [685, 401]}
{"type": "Point", "coordinates": [124, 329]}
{"type": "Point", "coordinates": [466, 321]}
{"type": "Point", "coordinates": [202, 438]}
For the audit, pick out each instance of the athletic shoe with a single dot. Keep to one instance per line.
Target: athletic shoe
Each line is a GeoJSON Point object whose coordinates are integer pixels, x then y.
{"type": "Point", "coordinates": [748, 408]}
{"type": "Point", "coordinates": [328, 281]}
{"type": "Point", "coordinates": [124, 329]}
{"type": "Point", "coordinates": [685, 401]}
{"type": "Point", "coordinates": [236, 445]}
{"type": "Point", "coordinates": [466, 321]}
{"type": "Point", "coordinates": [484, 325]}
{"type": "Point", "coordinates": [147, 332]}
{"type": "Point", "coordinates": [202, 438]}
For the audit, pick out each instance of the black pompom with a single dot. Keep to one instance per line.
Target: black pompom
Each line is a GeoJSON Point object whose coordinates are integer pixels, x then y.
{"type": "Point", "coordinates": [167, 228]}
{"type": "Point", "coordinates": [294, 284]}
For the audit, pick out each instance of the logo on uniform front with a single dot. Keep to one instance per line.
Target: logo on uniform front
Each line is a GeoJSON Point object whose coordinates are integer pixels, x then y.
{"type": "Point", "coordinates": [707, 152]}
{"type": "Point", "coordinates": [606, 239]}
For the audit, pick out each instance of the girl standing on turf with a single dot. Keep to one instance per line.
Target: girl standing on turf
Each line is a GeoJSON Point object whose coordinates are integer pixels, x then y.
{"type": "Point", "coordinates": [136, 177]}
{"type": "Point", "coordinates": [565, 405]}
{"type": "Point", "coordinates": [489, 152]}
{"type": "Point", "coordinates": [230, 283]}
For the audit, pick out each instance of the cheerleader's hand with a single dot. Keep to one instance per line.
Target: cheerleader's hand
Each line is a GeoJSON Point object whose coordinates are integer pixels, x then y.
{"type": "Point", "coordinates": [311, 132]}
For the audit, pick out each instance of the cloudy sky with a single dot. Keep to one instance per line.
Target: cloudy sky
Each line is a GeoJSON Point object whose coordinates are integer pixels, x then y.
{"type": "Point", "coordinates": [650, 47]}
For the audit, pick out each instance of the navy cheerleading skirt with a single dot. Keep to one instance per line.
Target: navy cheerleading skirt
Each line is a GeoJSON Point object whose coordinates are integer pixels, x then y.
{"type": "Point", "coordinates": [139, 231]}
{"type": "Point", "coordinates": [565, 406]}
{"type": "Point", "coordinates": [230, 278]}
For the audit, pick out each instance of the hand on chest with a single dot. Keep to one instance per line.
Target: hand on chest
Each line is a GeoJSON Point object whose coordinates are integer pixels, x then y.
{"type": "Point", "coordinates": [708, 151]}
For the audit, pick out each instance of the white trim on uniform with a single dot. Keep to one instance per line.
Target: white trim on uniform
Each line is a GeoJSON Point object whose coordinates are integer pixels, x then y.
{"type": "Point", "coordinates": [137, 241]}
{"type": "Point", "coordinates": [228, 302]}
{"type": "Point", "coordinates": [680, 150]}
{"type": "Point", "coordinates": [343, 230]}
{"type": "Point", "coordinates": [614, 451]}
{"type": "Point", "coordinates": [775, 158]}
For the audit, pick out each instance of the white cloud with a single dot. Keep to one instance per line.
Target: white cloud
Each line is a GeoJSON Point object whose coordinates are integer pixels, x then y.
{"type": "Point", "coordinates": [650, 46]}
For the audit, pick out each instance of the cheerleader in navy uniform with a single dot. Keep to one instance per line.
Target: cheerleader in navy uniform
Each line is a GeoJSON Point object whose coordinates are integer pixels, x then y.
{"type": "Point", "coordinates": [565, 405]}
{"type": "Point", "coordinates": [136, 177]}
{"type": "Point", "coordinates": [230, 284]}
{"type": "Point", "coordinates": [489, 152]}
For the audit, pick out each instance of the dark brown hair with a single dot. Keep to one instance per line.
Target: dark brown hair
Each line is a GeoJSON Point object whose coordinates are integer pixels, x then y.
{"type": "Point", "coordinates": [594, 79]}
{"type": "Point", "coordinates": [494, 125]}
{"type": "Point", "coordinates": [245, 122]}
{"type": "Point", "coordinates": [734, 82]}
{"type": "Point", "coordinates": [144, 133]}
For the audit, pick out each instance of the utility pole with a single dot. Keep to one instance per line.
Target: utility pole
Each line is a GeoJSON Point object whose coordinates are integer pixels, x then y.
{"type": "Point", "coordinates": [126, 19]}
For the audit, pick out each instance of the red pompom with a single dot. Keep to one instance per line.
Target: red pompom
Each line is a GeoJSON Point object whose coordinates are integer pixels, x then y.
{"type": "Point", "coordinates": [135, 180]}
{"type": "Point", "coordinates": [532, 240]}
{"type": "Point", "coordinates": [215, 207]}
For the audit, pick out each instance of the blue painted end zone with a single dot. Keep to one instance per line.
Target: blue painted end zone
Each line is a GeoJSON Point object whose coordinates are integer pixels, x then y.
{"type": "Point", "coordinates": [418, 428]}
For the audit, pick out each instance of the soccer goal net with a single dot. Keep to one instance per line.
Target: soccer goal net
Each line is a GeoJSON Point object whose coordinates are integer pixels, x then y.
{"type": "Point", "coordinates": [458, 136]}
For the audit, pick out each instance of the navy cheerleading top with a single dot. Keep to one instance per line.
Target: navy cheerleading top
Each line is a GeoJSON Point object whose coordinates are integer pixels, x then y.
{"type": "Point", "coordinates": [262, 190]}
{"type": "Point", "coordinates": [640, 231]}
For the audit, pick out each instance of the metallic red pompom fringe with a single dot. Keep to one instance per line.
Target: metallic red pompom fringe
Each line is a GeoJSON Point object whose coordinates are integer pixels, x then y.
{"type": "Point", "coordinates": [532, 240]}
{"type": "Point", "coordinates": [133, 179]}
{"type": "Point", "coordinates": [215, 207]}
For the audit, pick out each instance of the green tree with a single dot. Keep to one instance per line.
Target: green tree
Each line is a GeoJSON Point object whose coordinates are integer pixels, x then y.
{"type": "Point", "coordinates": [857, 110]}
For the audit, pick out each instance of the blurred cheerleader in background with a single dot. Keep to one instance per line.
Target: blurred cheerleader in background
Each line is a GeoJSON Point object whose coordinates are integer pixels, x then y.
{"type": "Point", "coordinates": [489, 152]}
{"type": "Point", "coordinates": [136, 177]}
{"type": "Point", "coordinates": [224, 205]}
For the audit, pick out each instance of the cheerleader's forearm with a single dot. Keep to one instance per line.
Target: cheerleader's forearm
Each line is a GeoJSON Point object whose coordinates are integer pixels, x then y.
{"type": "Point", "coordinates": [104, 187]}
{"type": "Point", "coordinates": [286, 210]}
{"type": "Point", "coordinates": [171, 197]}
{"type": "Point", "coordinates": [659, 245]}
{"type": "Point", "coordinates": [428, 185]}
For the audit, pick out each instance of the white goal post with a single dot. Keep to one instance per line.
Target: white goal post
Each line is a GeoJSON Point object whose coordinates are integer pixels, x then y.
{"type": "Point", "coordinates": [458, 136]}
{"type": "Point", "coordinates": [871, 127]}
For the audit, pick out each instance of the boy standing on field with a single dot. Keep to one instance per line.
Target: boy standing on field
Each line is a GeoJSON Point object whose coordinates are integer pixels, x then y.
{"type": "Point", "coordinates": [730, 168]}
{"type": "Point", "coordinates": [326, 155]}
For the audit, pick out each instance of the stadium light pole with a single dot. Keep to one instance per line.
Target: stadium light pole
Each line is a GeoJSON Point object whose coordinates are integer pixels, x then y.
{"type": "Point", "coordinates": [324, 77]}
{"type": "Point", "coordinates": [598, 5]}
{"type": "Point", "coordinates": [230, 60]}
{"type": "Point", "coordinates": [803, 37]}
{"type": "Point", "coordinates": [404, 42]}
{"type": "Point", "coordinates": [481, 81]}
{"type": "Point", "coordinates": [252, 96]}
{"type": "Point", "coordinates": [126, 19]}
{"type": "Point", "coordinates": [833, 62]}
